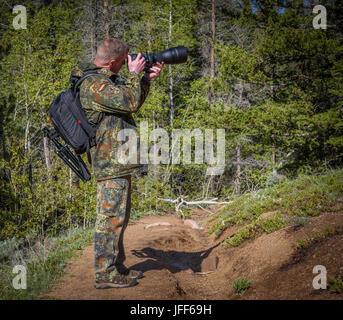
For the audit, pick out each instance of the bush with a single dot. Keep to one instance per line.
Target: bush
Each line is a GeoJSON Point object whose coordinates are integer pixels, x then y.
{"type": "Point", "coordinates": [241, 285]}
{"type": "Point", "coordinates": [272, 224]}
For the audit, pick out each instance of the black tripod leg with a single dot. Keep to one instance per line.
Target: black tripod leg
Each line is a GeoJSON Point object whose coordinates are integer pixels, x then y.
{"type": "Point", "coordinates": [73, 162]}
{"type": "Point", "coordinates": [78, 163]}
{"type": "Point", "coordinates": [70, 165]}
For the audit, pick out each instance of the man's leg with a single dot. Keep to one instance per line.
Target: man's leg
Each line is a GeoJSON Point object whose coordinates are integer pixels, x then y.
{"type": "Point", "coordinates": [121, 250]}
{"type": "Point", "coordinates": [112, 196]}
{"type": "Point", "coordinates": [119, 264]}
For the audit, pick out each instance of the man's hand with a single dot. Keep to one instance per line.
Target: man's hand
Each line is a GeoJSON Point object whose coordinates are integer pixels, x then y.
{"type": "Point", "coordinates": [154, 71]}
{"type": "Point", "coordinates": [136, 65]}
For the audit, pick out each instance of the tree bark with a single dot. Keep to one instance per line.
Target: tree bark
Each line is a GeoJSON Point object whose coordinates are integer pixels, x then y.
{"type": "Point", "coordinates": [93, 34]}
{"type": "Point", "coordinates": [238, 173]}
{"type": "Point", "coordinates": [107, 25]}
{"type": "Point", "coordinates": [213, 28]}
{"type": "Point", "coordinates": [170, 75]}
{"type": "Point", "coordinates": [46, 153]}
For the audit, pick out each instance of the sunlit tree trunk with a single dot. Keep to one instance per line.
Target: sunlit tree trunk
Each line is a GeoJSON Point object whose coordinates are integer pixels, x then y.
{"type": "Point", "coordinates": [107, 25]}
{"type": "Point", "coordinates": [46, 153]}
{"type": "Point", "coordinates": [213, 29]}
{"type": "Point", "coordinates": [238, 169]}
{"type": "Point", "coordinates": [93, 34]}
{"type": "Point", "coordinates": [171, 102]}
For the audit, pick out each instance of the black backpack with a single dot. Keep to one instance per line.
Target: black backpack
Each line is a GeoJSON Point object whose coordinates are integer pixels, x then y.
{"type": "Point", "coordinates": [71, 124]}
{"type": "Point", "coordinates": [70, 120]}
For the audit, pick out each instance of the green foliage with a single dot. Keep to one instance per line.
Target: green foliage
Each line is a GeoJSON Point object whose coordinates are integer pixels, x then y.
{"type": "Point", "coordinates": [272, 224]}
{"type": "Point", "coordinates": [241, 285]}
{"type": "Point", "coordinates": [35, 68]}
{"type": "Point", "coordinates": [294, 201]}
{"type": "Point", "coordinates": [45, 260]}
{"type": "Point", "coordinates": [336, 284]}
{"type": "Point", "coordinates": [247, 232]}
{"type": "Point", "coordinates": [44, 202]}
{"type": "Point", "coordinates": [238, 67]}
{"type": "Point", "coordinates": [298, 221]}
{"type": "Point", "coordinates": [300, 244]}
{"type": "Point", "coordinates": [146, 195]}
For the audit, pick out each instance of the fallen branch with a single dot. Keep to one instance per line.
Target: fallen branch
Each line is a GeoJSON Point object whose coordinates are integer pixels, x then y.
{"type": "Point", "coordinates": [208, 211]}
{"type": "Point", "coordinates": [180, 201]}
{"type": "Point", "coordinates": [157, 224]}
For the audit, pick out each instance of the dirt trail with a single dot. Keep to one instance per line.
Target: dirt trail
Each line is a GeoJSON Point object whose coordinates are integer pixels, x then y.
{"type": "Point", "coordinates": [179, 262]}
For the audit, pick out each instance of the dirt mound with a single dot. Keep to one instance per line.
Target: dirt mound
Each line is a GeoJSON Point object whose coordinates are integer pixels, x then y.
{"type": "Point", "coordinates": [179, 262]}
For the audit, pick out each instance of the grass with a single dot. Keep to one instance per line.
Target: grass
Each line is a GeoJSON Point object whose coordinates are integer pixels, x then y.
{"type": "Point", "coordinates": [44, 260]}
{"type": "Point", "coordinates": [293, 202]}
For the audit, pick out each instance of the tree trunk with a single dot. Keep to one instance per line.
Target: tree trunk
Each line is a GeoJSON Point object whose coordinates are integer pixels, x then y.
{"type": "Point", "coordinates": [274, 161]}
{"type": "Point", "coordinates": [107, 25]}
{"type": "Point", "coordinates": [153, 128]}
{"type": "Point", "coordinates": [238, 172]}
{"type": "Point", "coordinates": [46, 153]}
{"type": "Point", "coordinates": [2, 130]}
{"type": "Point", "coordinates": [213, 27]}
{"type": "Point", "coordinates": [27, 144]}
{"type": "Point", "coordinates": [171, 102]}
{"type": "Point", "coordinates": [94, 14]}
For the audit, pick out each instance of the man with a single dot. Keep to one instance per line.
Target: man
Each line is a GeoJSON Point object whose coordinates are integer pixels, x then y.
{"type": "Point", "coordinates": [109, 101]}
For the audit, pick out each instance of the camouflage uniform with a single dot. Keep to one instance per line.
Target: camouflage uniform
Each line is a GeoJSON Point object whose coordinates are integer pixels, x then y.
{"type": "Point", "coordinates": [114, 204]}
{"type": "Point", "coordinates": [113, 101]}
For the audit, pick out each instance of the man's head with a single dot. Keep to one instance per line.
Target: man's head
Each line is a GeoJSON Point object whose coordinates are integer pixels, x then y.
{"type": "Point", "coordinates": [111, 54]}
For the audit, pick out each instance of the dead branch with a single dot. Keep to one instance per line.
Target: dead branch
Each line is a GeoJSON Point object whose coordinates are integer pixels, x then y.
{"type": "Point", "coordinates": [180, 201]}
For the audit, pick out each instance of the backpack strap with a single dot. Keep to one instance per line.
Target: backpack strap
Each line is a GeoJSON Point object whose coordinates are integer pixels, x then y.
{"type": "Point", "coordinates": [89, 129]}
{"type": "Point", "coordinates": [86, 75]}
{"type": "Point", "coordinates": [78, 83]}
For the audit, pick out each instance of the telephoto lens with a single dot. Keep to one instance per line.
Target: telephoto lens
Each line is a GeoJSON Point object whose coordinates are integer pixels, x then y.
{"type": "Point", "coordinates": [175, 55]}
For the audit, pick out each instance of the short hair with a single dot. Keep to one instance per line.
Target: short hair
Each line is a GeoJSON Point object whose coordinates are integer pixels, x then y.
{"type": "Point", "coordinates": [110, 49]}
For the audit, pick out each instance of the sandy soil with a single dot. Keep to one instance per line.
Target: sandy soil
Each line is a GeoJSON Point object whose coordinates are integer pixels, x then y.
{"type": "Point", "coordinates": [179, 262]}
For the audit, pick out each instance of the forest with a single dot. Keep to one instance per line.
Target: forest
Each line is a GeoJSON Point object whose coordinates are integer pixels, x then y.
{"type": "Point", "coordinates": [259, 70]}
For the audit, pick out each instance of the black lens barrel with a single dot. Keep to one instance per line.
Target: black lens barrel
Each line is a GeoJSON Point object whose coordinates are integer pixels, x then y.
{"type": "Point", "coordinates": [173, 55]}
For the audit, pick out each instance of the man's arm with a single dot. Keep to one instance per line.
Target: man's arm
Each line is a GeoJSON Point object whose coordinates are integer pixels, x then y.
{"type": "Point", "coordinates": [128, 98]}
{"type": "Point", "coordinates": [107, 97]}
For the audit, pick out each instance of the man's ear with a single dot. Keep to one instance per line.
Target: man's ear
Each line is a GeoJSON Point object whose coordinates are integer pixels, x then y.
{"type": "Point", "coordinates": [111, 62]}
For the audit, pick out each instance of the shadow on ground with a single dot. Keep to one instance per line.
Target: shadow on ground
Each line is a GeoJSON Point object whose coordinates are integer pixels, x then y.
{"type": "Point", "coordinates": [174, 261]}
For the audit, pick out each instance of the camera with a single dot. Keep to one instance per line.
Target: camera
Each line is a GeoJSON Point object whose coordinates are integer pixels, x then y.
{"type": "Point", "coordinates": [174, 55]}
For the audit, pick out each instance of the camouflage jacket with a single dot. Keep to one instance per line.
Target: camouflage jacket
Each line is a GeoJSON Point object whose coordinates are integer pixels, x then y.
{"type": "Point", "coordinates": [112, 100]}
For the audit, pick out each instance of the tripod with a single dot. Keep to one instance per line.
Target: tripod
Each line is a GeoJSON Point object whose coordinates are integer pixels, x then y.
{"type": "Point", "coordinates": [73, 161]}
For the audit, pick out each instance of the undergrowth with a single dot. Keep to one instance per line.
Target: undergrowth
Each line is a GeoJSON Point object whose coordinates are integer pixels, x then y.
{"type": "Point", "coordinates": [44, 259]}
{"type": "Point", "coordinates": [318, 236]}
{"type": "Point", "coordinates": [336, 284]}
{"type": "Point", "coordinates": [241, 285]}
{"type": "Point", "coordinates": [292, 202]}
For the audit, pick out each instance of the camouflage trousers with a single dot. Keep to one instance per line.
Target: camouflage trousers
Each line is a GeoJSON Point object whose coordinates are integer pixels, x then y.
{"type": "Point", "coordinates": [113, 214]}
